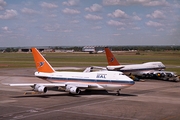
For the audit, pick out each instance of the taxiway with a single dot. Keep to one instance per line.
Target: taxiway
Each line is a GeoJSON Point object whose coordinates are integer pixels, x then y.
{"type": "Point", "coordinates": [152, 99]}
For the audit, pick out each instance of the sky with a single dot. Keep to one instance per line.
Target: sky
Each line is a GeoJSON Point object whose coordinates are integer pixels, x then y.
{"type": "Point", "coordinates": [89, 22]}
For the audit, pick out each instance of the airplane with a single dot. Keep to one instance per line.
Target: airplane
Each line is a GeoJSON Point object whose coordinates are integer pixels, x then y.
{"type": "Point", "coordinates": [144, 70]}
{"type": "Point", "coordinates": [74, 82]}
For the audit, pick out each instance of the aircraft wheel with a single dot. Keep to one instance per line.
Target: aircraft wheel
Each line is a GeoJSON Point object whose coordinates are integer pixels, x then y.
{"type": "Point", "coordinates": [118, 92]}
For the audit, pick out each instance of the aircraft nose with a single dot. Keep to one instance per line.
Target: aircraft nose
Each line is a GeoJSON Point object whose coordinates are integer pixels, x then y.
{"type": "Point", "coordinates": [132, 82]}
{"type": "Point", "coordinates": [164, 66]}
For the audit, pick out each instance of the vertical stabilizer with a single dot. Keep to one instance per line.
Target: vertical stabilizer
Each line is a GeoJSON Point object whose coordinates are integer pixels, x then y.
{"type": "Point", "coordinates": [110, 57]}
{"type": "Point", "coordinates": [41, 64]}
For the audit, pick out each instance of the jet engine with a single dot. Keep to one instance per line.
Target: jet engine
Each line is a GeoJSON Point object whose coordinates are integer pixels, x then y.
{"type": "Point", "coordinates": [169, 75]}
{"type": "Point", "coordinates": [163, 74]}
{"type": "Point", "coordinates": [72, 89]}
{"type": "Point", "coordinates": [40, 88]}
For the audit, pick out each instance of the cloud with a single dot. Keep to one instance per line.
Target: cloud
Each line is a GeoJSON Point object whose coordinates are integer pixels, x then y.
{"type": "Point", "coordinates": [70, 11]}
{"type": "Point", "coordinates": [173, 30]}
{"type": "Point", "coordinates": [118, 14]}
{"type": "Point", "coordinates": [176, 4]}
{"type": "Point", "coordinates": [115, 23]}
{"type": "Point", "coordinates": [157, 14]}
{"type": "Point", "coordinates": [116, 34]}
{"type": "Point", "coordinates": [136, 28]}
{"type": "Point", "coordinates": [2, 4]}
{"type": "Point", "coordinates": [28, 11]}
{"type": "Point", "coordinates": [93, 17]}
{"type": "Point", "coordinates": [9, 14]}
{"type": "Point", "coordinates": [50, 28]}
{"type": "Point", "coordinates": [114, 2]}
{"type": "Point", "coordinates": [122, 28]}
{"type": "Point", "coordinates": [96, 27]}
{"type": "Point", "coordinates": [156, 3]}
{"type": "Point", "coordinates": [52, 15]}
{"type": "Point", "coordinates": [94, 8]}
{"type": "Point", "coordinates": [71, 3]}
{"type": "Point", "coordinates": [160, 29]}
{"type": "Point", "coordinates": [5, 28]}
{"type": "Point", "coordinates": [154, 24]}
{"type": "Point", "coordinates": [132, 2]}
{"type": "Point", "coordinates": [75, 21]}
{"type": "Point", "coordinates": [48, 5]}
{"type": "Point", "coordinates": [136, 17]}
{"type": "Point", "coordinates": [67, 30]}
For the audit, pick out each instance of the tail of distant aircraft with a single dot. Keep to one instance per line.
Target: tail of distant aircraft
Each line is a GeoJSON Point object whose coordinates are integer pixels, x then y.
{"type": "Point", "coordinates": [41, 64]}
{"type": "Point", "coordinates": [110, 57]}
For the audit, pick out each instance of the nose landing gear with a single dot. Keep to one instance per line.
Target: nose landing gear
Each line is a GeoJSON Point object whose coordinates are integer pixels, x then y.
{"type": "Point", "coordinates": [118, 92]}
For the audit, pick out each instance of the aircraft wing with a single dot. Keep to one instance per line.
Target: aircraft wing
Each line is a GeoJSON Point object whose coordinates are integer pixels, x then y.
{"type": "Point", "coordinates": [73, 88]}
{"type": "Point", "coordinates": [90, 69]}
{"type": "Point", "coordinates": [44, 84]}
{"type": "Point", "coordinates": [114, 68]}
{"type": "Point", "coordinates": [117, 67]}
{"type": "Point", "coordinates": [50, 85]}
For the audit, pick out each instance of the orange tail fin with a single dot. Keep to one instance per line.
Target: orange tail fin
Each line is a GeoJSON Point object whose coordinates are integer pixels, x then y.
{"type": "Point", "coordinates": [41, 63]}
{"type": "Point", "coordinates": [110, 57]}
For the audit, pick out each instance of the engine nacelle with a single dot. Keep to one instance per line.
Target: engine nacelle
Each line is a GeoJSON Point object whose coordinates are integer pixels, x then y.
{"type": "Point", "coordinates": [163, 74]}
{"type": "Point", "coordinates": [169, 75]}
{"type": "Point", "coordinates": [40, 88]}
{"type": "Point", "coordinates": [72, 89]}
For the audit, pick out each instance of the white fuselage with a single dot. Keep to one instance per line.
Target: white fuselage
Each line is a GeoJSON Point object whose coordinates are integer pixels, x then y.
{"type": "Point", "coordinates": [107, 80]}
{"type": "Point", "coordinates": [139, 69]}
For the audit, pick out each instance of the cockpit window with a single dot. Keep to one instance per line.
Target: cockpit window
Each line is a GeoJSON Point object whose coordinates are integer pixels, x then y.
{"type": "Point", "coordinates": [121, 73]}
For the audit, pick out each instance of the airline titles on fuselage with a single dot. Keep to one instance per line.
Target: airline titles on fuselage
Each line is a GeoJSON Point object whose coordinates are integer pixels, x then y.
{"type": "Point", "coordinates": [101, 76]}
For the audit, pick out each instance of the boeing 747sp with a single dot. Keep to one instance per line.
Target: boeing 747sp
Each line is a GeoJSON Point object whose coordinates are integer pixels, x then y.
{"type": "Point", "coordinates": [74, 82]}
{"type": "Point", "coordinates": [144, 70]}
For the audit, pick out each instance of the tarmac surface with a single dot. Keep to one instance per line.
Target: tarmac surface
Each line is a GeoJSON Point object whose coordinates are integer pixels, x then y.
{"type": "Point", "coordinates": [149, 100]}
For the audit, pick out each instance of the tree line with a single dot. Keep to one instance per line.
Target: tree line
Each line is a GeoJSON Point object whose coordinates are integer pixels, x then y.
{"type": "Point", "coordinates": [127, 48]}
{"type": "Point", "coordinates": [114, 48]}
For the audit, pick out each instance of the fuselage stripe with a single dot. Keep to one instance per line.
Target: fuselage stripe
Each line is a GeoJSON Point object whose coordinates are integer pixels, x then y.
{"type": "Point", "coordinates": [98, 81]}
{"type": "Point", "coordinates": [139, 69]}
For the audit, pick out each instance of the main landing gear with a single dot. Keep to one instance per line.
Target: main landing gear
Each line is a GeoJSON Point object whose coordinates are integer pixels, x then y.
{"type": "Point", "coordinates": [118, 92]}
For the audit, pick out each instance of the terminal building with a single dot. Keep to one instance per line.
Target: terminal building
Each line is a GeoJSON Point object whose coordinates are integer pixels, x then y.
{"type": "Point", "coordinates": [24, 49]}
{"type": "Point", "coordinates": [93, 49]}
{"type": "Point", "coordinates": [28, 49]}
